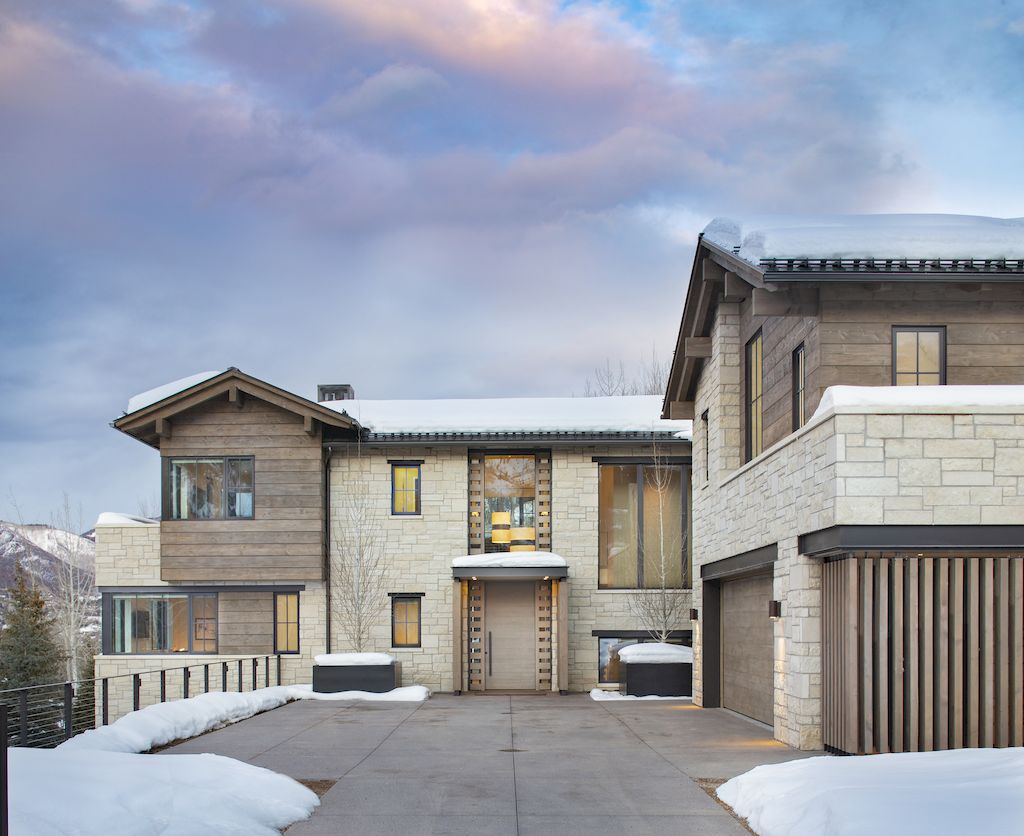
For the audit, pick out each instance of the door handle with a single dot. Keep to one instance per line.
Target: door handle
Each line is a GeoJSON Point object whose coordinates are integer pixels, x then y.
{"type": "Point", "coordinates": [490, 655]}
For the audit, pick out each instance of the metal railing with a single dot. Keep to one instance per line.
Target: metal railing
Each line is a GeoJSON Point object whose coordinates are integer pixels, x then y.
{"type": "Point", "coordinates": [44, 716]}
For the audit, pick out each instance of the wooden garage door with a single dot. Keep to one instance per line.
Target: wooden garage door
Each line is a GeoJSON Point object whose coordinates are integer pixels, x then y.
{"type": "Point", "coordinates": [747, 648]}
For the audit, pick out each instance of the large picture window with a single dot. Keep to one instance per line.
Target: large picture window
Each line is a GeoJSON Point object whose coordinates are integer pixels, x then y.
{"type": "Point", "coordinates": [510, 503]}
{"type": "Point", "coordinates": [164, 623]}
{"type": "Point", "coordinates": [642, 526]}
{"type": "Point", "coordinates": [211, 488]}
{"type": "Point", "coordinates": [918, 355]}
{"type": "Point", "coordinates": [755, 390]}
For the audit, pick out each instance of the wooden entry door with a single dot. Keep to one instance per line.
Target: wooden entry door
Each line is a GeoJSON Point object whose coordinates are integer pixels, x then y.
{"type": "Point", "coordinates": [510, 646]}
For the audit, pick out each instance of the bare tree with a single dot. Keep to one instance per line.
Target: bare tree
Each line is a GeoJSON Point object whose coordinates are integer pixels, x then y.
{"type": "Point", "coordinates": [360, 567]}
{"type": "Point", "coordinates": [73, 600]}
{"type": "Point", "coordinates": [661, 607]}
{"type": "Point", "coordinates": [149, 506]}
{"type": "Point", "coordinates": [648, 378]}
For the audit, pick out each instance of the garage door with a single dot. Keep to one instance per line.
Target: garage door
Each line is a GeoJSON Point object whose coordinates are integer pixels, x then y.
{"type": "Point", "coordinates": [747, 648]}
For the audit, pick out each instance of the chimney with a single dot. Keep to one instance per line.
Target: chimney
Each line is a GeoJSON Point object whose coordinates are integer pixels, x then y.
{"type": "Point", "coordinates": [334, 392]}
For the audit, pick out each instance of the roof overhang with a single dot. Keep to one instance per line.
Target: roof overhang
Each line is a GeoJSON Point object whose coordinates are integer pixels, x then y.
{"type": "Point", "coordinates": [153, 422]}
{"type": "Point", "coordinates": [509, 573]}
{"type": "Point", "coordinates": [539, 565]}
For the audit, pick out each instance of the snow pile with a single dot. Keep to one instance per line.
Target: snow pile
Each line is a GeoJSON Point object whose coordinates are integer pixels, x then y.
{"type": "Point", "coordinates": [152, 396]}
{"type": "Point", "coordinates": [637, 413]}
{"type": "Point", "coordinates": [600, 695]}
{"type": "Point", "coordinates": [409, 693]}
{"type": "Point", "coordinates": [869, 236]}
{"type": "Point", "coordinates": [901, 398]}
{"type": "Point", "coordinates": [656, 653]}
{"type": "Point", "coordinates": [510, 560]}
{"type": "Point", "coordinates": [333, 660]}
{"type": "Point", "coordinates": [56, 791]}
{"type": "Point", "coordinates": [958, 791]}
{"type": "Point", "coordinates": [121, 520]}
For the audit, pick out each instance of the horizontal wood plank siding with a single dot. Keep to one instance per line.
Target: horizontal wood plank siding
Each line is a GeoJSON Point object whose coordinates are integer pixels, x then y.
{"type": "Point", "coordinates": [246, 622]}
{"type": "Point", "coordinates": [284, 541]}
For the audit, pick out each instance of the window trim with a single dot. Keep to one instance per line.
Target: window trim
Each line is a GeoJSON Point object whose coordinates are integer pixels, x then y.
{"type": "Point", "coordinates": [799, 386]}
{"type": "Point", "coordinates": [298, 624]}
{"type": "Point", "coordinates": [407, 597]}
{"type": "Point", "coordinates": [748, 401]}
{"type": "Point", "coordinates": [167, 463]}
{"type": "Point", "coordinates": [918, 329]}
{"type": "Point", "coordinates": [418, 464]}
{"type": "Point", "coordinates": [107, 637]}
{"type": "Point", "coordinates": [706, 425]}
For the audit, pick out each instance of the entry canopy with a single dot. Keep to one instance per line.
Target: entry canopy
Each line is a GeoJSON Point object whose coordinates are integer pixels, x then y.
{"type": "Point", "coordinates": [522, 565]}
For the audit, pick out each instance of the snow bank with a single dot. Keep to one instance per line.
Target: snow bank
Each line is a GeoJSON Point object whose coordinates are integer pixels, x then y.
{"type": "Point", "coordinates": [410, 693]}
{"type": "Point", "coordinates": [509, 560]}
{"type": "Point", "coordinates": [959, 791]}
{"type": "Point", "coordinates": [869, 236]}
{"type": "Point", "coordinates": [57, 791]}
{"type": "Point", "coordinates": [639, 413]}
{"type": "Point", "coordinates": [346, 659]}
{"type": "Point", "coordinates": [901, 398]}
{"type": "Point", "coordinates": [113, 518]}
{"type": "Point", "coordinates": [152, 396]}
{"type": "Point", "coordinates": [600, 695]}
{"type": "Point", "coordinates": [656, 653]}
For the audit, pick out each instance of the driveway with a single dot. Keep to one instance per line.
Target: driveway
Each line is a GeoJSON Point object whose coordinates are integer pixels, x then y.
{"type": "Point", "coordinates": [504, 764]}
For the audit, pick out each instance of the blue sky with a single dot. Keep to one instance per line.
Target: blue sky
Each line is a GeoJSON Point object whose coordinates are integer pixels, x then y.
{"type": "Point", "coordinates": [432, 199]}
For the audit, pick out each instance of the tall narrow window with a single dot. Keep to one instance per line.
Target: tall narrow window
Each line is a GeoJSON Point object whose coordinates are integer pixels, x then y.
{"type": "Point", "coordinates": [755, 380]}
{"type": "Point", "coordinates": [405, 488]}
{"type": "Point", "coordinates": [510, 503]}
{"type": "Point", "coordinates": [707, 446]}
{"type": "Point", "coordinates": [405, 620]}
{"type": "Point", "coordinates": [799, 384]}
{"type": "Point", "coordinates": [286, 622]}
{"type": "Point", "coordinates": [918, 355]}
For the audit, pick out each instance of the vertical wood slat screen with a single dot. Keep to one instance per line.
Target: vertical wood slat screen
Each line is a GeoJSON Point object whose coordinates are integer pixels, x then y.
{"type": "Point", "coordinates": [476, 504]}
{"type": "Point", "coordinates": [544, 502]}
{"type": "Point", "coordinates": [474, 633]}
{"type": "Point", "coordinates": [543, 613]}
{"type": "Point", "coordinates": [922, 653]}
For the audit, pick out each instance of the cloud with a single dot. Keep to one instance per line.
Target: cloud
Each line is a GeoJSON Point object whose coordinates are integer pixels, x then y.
{"type": "Point", "coordinates": [396, 86]}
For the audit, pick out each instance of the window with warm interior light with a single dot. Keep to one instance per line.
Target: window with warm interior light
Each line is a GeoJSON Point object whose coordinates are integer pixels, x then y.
{"type": "Point", "coordinates": [405, 621]}
{"type": "Point", "coordinates": [286, 622]}
{"type": "Point", "coordinates": [164, 623]}
{"type": "Point", "coordinates": [405, 488]}
{"type": "Point", "coordinates": [510, 503]}
{"type": "Point", "coordinates": [918, 355]}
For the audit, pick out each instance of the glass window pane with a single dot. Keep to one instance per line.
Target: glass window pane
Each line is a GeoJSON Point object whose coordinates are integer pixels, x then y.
{"type": "Point", "coordinates": [663, 526]}
{"type": "Point", "coordinates": [206, 499]}
{"type": "Point", "coordinates": [413, 632]}
{"type": "Point", "coordinates": [510, 487]}
{"type": "Point", "coordinates": [928, 352]}
{"type": "Point", "coordinates": [906, 352]}
{"type": "Point", "coordinates": [618, 508]}
{"type": "Point", "coordinates": [293, 637]}
{"type": "Point", "coordinates": [928, 380]}
{"type": "Point", "coordinates": [906, 380]}
{"type": "Point", "coordinates": [240, 473]}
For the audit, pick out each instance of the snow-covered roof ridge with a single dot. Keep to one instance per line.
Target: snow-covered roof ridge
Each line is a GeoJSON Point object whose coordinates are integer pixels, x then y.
{"type": "Point", "coordinates": [631, 413]}
{"type": "Point", "coordinates": [157, 394]}
{"type": "Point", "coordinates": [121, 520]}
{"type": "Point", "coordinates": [883, 236]}
{"type": "Point", "coordinates": [912, 398]}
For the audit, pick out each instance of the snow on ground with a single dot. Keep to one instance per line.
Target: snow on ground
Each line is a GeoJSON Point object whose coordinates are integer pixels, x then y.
{"type": "Point", "coordinates": [903, 398]}
{"type": "Point", "coordinates": [334, 660]}
{"type": "Point", "coordinates": [509, 560]}
{"type": "Point", "coordinates": [869, 236]}
{"type": "Point", "coordinates": [152, 396]}
{"type": "Point", "coordinates": [410, 693]}
{"type": "Point", "coordinates": [600, 695]}
{"type": "Point", "coordinates": [959, 791]}
{"type": "Point", "coordinates": [59, 791]}
{"type": "Point", "coordinates": [656, 653]}
{"type": "Point", "coordinates": [636, 413]}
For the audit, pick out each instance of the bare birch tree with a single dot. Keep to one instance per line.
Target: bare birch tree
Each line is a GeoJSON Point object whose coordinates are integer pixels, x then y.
{"type": "Point", "coordinates": [649, 378]}
{"type": "Point", "coordinates": [360, 566]}
{"type": "Point", "coordinates": [73, 600]}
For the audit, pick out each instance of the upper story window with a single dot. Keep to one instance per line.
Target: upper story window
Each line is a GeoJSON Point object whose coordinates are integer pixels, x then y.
{"type": "Point", "coordinates": [405, 488]}
{"type": "Point", "coordinates": [211, 488]}
{"type": "Point", "coordinates": [164, 623]}
{"type": "Point", "coordinates": [510, 503]}
{"type": "Point", "coordinates": [755, 390]}
{"type": "Point", "coordinates": [799, 386]}
{"type": "Point", "coordinates": [642, 526]}
{"type": "Point", "coordinates": [918, 355]}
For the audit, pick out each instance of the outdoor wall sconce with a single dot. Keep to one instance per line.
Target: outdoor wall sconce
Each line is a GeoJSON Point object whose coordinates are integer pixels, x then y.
{"type": "Point", "coordinates": [775, 610]}
{"type": "Point", "coordinates": [693, 615]}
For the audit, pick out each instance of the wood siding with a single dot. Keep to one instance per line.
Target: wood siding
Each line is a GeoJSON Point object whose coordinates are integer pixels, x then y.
{"type": "Point", "coordinates": [921, 654]}
{"type": "Point", "coordinates": [246, 623]}
{"type": "Point", "coordinates": [284, 542]}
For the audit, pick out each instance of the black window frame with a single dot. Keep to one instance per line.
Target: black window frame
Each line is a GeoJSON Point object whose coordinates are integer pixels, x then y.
{"type": "Point", "coordinates": [108, 637]}
{"type": "Point", "coordinates": [919, 329]}
{"type": "Point", "coordinates": [407, 597]}
{"type": "Point", "coordinates": [706, 423]}
{"type": "Point", "coordinates": [298, 624]}
{"type": "Point", "coordinates": [166, 501]}
{"type": "Point", "coordinates": [799, 384]}
{"type": "Point", "coordinates": [418, 464]}
{"type": "Point", "coordinates": [749, 401]}
{"type": "Point", "coordinates": [686, 479]}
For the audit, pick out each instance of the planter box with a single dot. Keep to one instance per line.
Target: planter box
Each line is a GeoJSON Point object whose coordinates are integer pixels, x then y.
{"type": "Point", "coordinates": [329, 679]}
{"type": "Point", "coordinates": [645, 679]}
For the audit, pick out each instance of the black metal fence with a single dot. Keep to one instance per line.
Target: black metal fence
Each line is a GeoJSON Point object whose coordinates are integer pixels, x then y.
{"type": "Point", "coordinates": [44, 716]}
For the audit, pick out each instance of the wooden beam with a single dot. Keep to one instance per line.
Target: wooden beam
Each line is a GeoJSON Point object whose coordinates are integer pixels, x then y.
{"type": "Point", "coordinates": [163, 428]}
{"type": "Point", "coordinates": [784, 302]}
{"type": "Point", "coordinates": [712, 271]}
{"type": "Point", "coordinates": [236, 397]}
{"type": "Point", "coordinates": [309, 425]}
{"type": "Point", "coordinates": [680, 411]}
{"type": "Point", "coordinates": [736, 290]}
{"type": "Point", "coordinates": [697, 346]}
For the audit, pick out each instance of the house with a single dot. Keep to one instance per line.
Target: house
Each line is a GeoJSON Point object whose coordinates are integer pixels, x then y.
{"type": "Point", "coordinates": [858, 477]}
{"type": "Point", "coordinates": [517, 530]}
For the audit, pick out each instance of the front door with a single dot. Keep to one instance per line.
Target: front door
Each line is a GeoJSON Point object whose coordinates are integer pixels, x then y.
{"type": "Point", "coordinates": [510, 660]}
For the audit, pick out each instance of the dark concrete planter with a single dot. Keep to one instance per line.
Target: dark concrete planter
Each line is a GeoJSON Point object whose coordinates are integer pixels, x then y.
{"type": "Point", "coordinates": [329, 679]}
{"type": "Point", "coordinates": [644, 679]}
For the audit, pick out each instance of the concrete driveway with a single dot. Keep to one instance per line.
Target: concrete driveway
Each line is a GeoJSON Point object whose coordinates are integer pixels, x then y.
{"type": "Point", "coordinates": [504, 764]}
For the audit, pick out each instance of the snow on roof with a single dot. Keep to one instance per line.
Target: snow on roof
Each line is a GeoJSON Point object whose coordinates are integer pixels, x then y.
{"type": "Point", "coordinates": [868, 236]}
{"type": "Point", "coordinates": [152, 396]}
{"type": "Point", "coordinates": [113, 518]}
{"type": "Point", "coordinates": [656, 653]}
{"type": "Point", "coordinates": [903, 398]}
{"type": "Point", "coordinates": [636, 413]}
{"type": "Point", "coordinates": [510, 560]}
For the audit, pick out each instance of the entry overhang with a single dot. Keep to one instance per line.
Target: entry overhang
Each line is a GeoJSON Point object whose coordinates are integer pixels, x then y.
{"type": "Point", "coordinates": [511, 565]}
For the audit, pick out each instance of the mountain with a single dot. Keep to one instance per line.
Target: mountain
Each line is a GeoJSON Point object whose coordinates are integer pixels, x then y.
{"type": "Point", "coordinates": [41, 550]}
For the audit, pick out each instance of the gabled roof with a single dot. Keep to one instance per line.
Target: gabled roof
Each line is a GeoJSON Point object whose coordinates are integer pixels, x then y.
{"type": "Point", "coordinates": [153, 410]}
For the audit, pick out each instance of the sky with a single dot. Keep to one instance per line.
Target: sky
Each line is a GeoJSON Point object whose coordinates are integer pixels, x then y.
{"type": "Point", "coordinates": [431, 198]}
